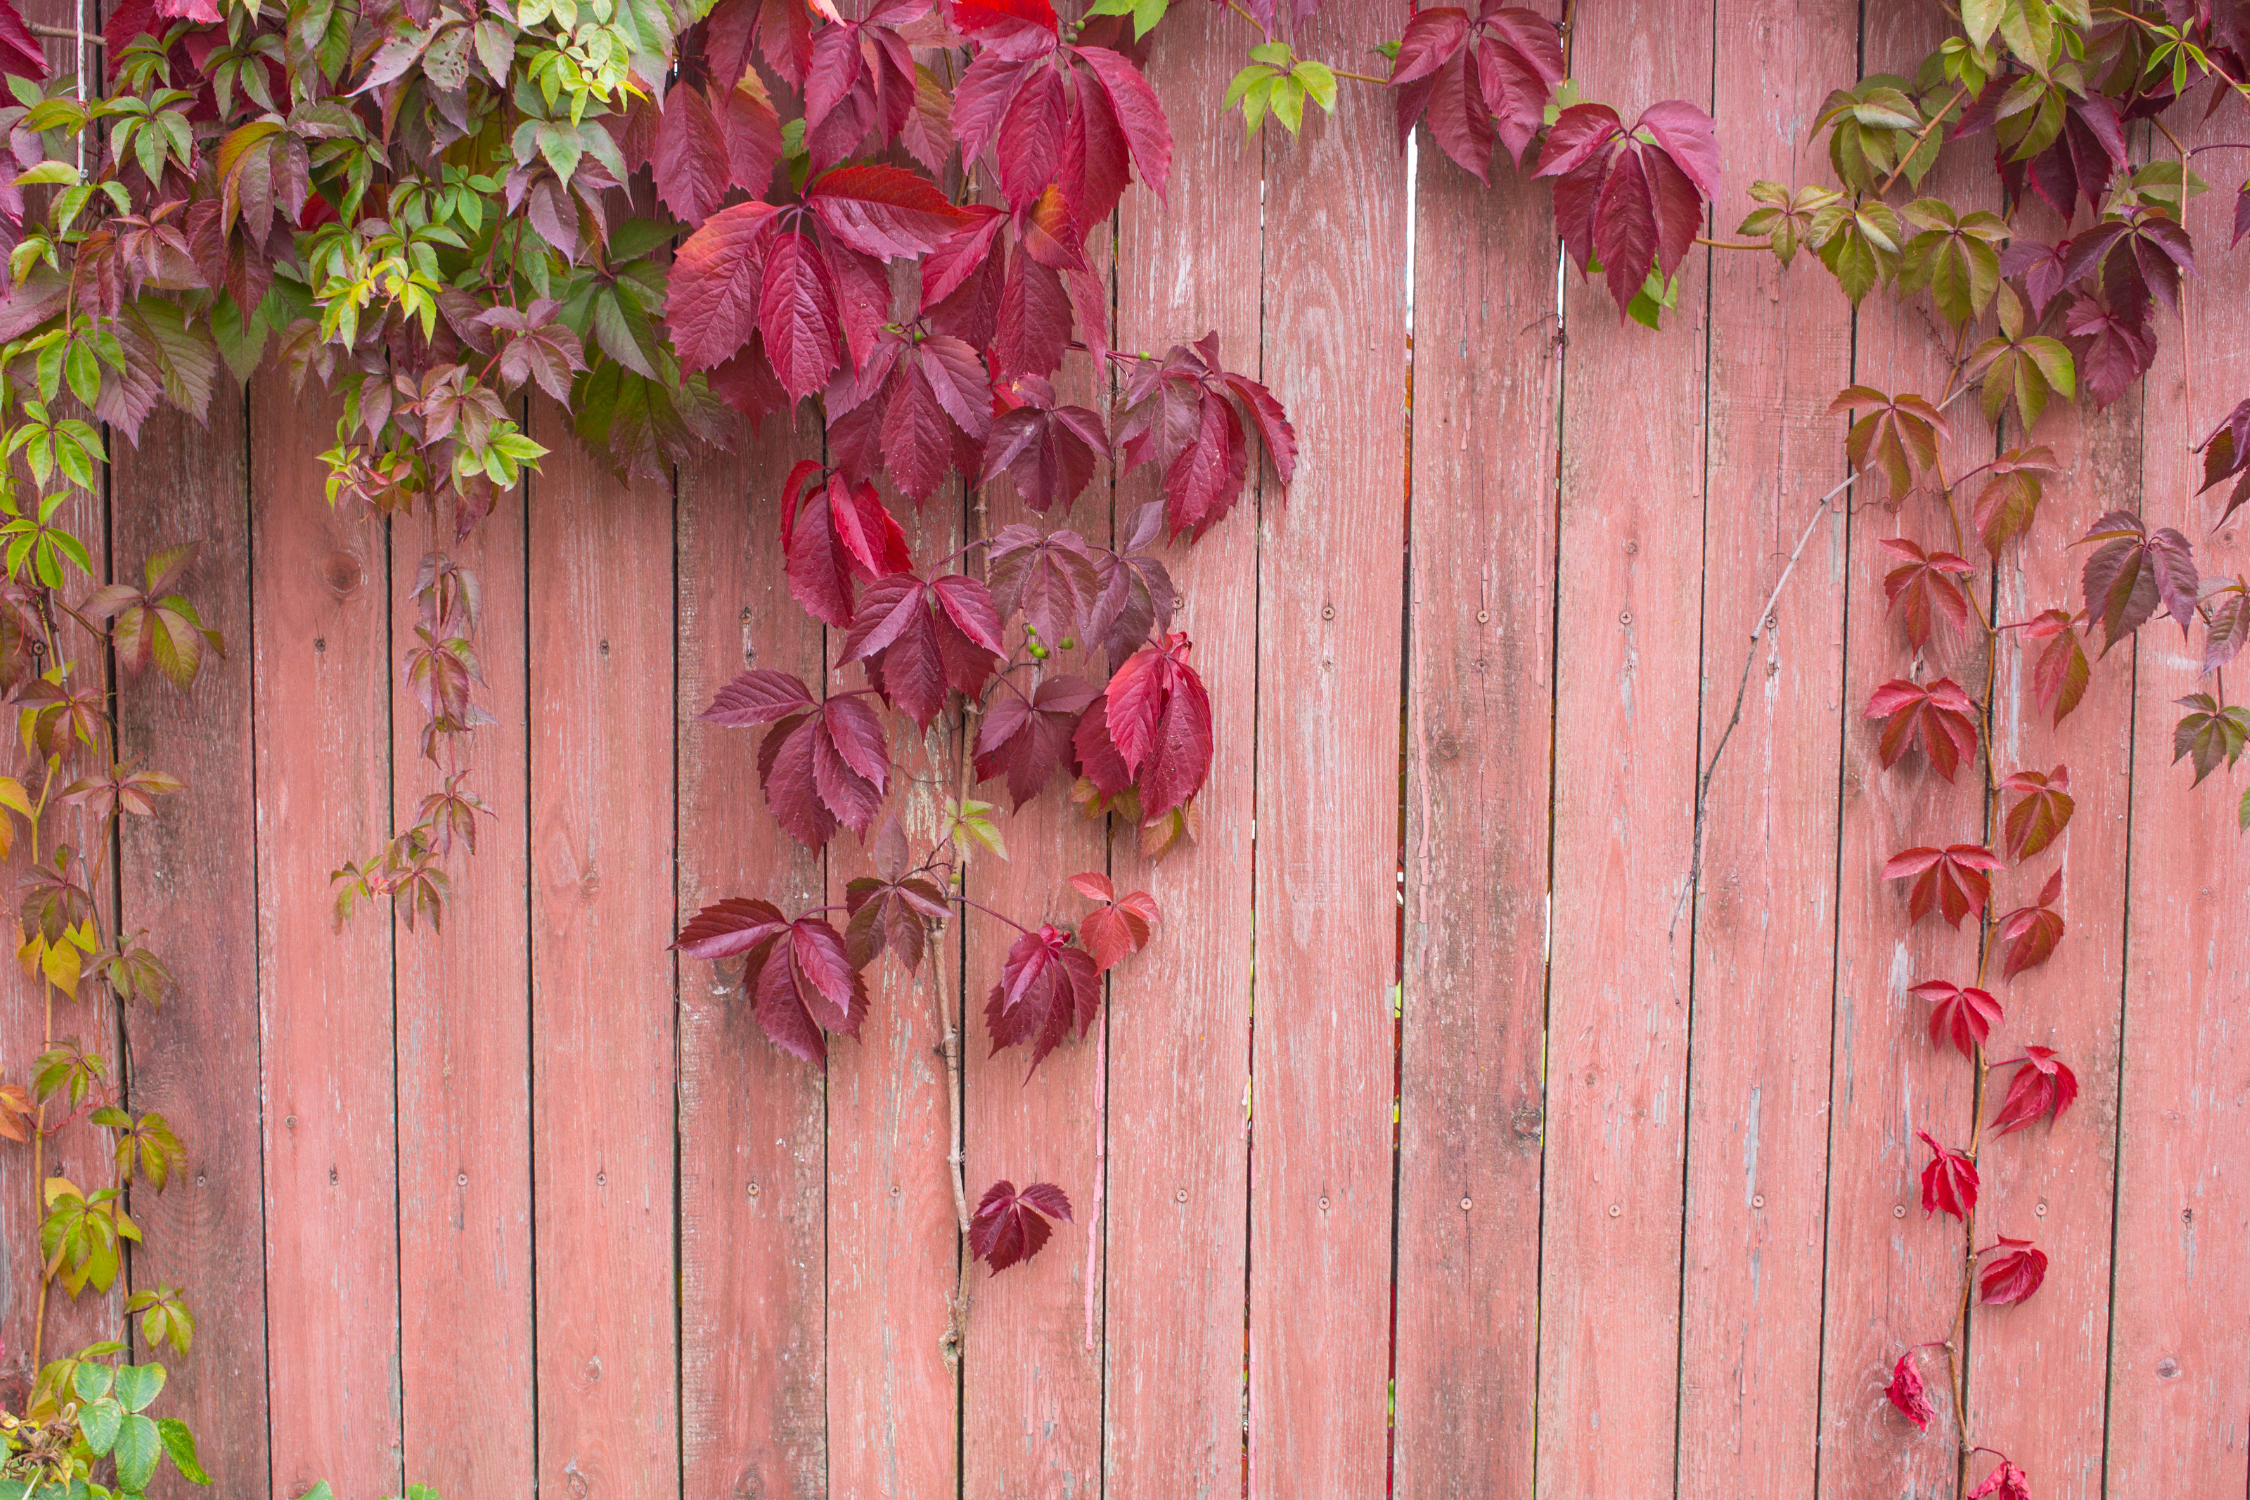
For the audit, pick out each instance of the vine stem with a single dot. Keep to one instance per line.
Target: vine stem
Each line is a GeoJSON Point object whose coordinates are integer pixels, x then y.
{"type": "Point", "coordinates": [1750, 661]}
{"type": "Point", "coordinates": [1960, 92]}
{"type": "Point", "coordinates": [957, 1322]}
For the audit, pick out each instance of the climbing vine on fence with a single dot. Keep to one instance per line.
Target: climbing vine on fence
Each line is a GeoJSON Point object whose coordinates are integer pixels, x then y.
{"type": "Point", "coordinates": [660, 224]}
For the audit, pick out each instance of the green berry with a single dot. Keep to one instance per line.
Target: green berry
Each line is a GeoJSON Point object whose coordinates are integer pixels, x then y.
{"type": "Point", "coordinates": [1039, 652]}
{"type": "Point", "coordinates": [1069, 643]}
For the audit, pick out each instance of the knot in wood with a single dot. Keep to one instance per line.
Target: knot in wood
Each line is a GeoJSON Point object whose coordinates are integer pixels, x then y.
{"type": "Point", "coordinates": [341, 572]}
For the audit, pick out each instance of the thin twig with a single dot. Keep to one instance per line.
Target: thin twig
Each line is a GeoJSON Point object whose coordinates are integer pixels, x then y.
{"type": "Point", "coordinates": [1742, 686]}
{"type": "Point", "coordinates": [1960, 92]}
{"type": "Point", "coordinates": [1101, 1168]}
{"type": "Point", "coordinates": [957, 1324]}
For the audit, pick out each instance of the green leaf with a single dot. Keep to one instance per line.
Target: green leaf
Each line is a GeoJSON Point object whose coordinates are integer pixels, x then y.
{"type": "Point", "coordinates": [2242, 814]}
{"type": "Point", "coordinates": [101, 1421]}
{"type": "Point", "coordinates": [1319, 80]}
{"type": "Point", "coordinates": [90, 1380]}
{"type": "Point", "coordinates": [180, 1443]}
{"type": "Point", "coordinates": [83, 371]}
{"type": "Point", "coordinates": [138, 1385]}
{"type": "Point", "coordinates": [138, 1448]}
{"type": "Point", "coordinates": [1980, 18]}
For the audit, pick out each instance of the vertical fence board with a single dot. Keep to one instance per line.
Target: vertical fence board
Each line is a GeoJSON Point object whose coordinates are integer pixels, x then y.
{"type": "Point", "coordinates": [1626, 694]}
{"type": "Point", "coordinates": [2040, 1375]}
{"type": "Point", "coordinates": [753, 1161]}
{"type": "Point", "coordinates": [1180, 1013]}
{"type": "Point", "coordinates": [1894, 1275]}
{"type": "Point", "coordinates": [1480, 715]}
{"type": "Point", "coordinates": [2179, 1381]}
{"type": "Point", "coordinates": [1765, 942]}
{"type": "Point", "coordinates": [464, 1079]}
{"type": "Point", "coordinates": [1330, 584]}
{"type": "Point", "coordinates": [893, 1403]}
{"type": "Point", "coordinates": [603, 1112]}
{"type": "Point", "coordinates": [321, 685]}
{"type": "Point", "coordinates": [184, 876]}
{"type": "Point", "coordinates": [1032, 1388]}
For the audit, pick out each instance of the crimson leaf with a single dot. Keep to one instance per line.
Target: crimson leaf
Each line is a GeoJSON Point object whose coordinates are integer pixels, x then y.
{"type": "Point", "coordinates": [2006, 1482]}
{"type": "Point", "coordinates": [1632, 200]}
{"type": "Point", "coordinates": [1954, 881]}
{"type": "Point", "coordinates": [918, 639]}
{"type": "Point", "coordinates": [1949, 1181]}
{"type": "Point", "coordinates": [1150, 729]}
{"type": "Point", "coordinates": [832, 533]}
{"type": "Point", "coordinates": [2031, 932]}
{"type": "Point", "coordinates": [1960, 1015]}
{"type": "Point", "coordinates": [1477, 80]}
{"type": "Point", "coordinates": [2208, 733]}
{"type": "Point", "coordinates": [1028, 740]}
{"type": "Point", "coordinates": [1009, 1226]}
{"type": "Point", "coordinates": [1119, 926]}
{"type": "Point", "coordinates": [2061, 673]}
{"type": "Point", "coordinates": [1938, 714]}
{"type": "Point", "coordinates": [1907, 1392]}
{"type": "Point", "coordinates": [1046, 987]}
{"type": "Point", "coordinates": [1185, 413]}
{"type": "Point", "coordinates": [1050, 577]}
{"type": "Point", "coordinates": [2014, 1274]}
{"type": "Point", "coordinates": [2043, 1085]}
{"type": "Point", "coordinates": [2226, 452]}
{"type": "Point", "coordinates": [1921, 589]}
{"type": "Point", "coordinates": [1049, 450]}
{"type": "Point", "coordinates": [799, 974]}
{"type": "Point", "coordinates": [2041, 814]}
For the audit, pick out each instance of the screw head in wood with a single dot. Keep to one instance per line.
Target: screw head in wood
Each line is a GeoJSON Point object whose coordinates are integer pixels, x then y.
{"type": "Point", "coordinates": [1324, 1205]}
{"type": "Point", "coordinates": [460, 1179]}
{"type": "Point", "coordinates": [1758, 1200]}
{"type": "Point", "coordinates": [601, 1179]}
{"type": "Point", "coordinates": [1898, 1210]}
{"type": "Point", "coordinates": [1615, 1210]}
{"type": "Point", "coordinates": [1484, 617]}
{"type": "Point", "coordinates": [1464, 1205]}
{"type": "Point", "coordinates": [753, 1190]}
{"type": "Point", "coordinates": [1179, 1195]}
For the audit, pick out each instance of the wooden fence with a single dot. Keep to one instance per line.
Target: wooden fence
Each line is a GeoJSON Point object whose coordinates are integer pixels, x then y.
{"type": "Point", "coordinates": [1602, 1186]}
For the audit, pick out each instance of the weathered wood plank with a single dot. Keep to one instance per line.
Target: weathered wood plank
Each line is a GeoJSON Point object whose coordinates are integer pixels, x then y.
{"type": "Point", "coordinates": [1480, 708]}
{"type": "Point", "coordinates": [893, 1403]}
{"type": "Point", "coordinates": [1626, 692]}
{"type": "Point", "coordinates": [2039, 1378]}
{"type": "Point", "coordinates": [1179, 1036]}
{"type": "Point", "coordinates": [1894, 1274]}
{"type": "Point", "coordinates": [603, 1002]}
{"type": "Point", "coordinates": [321, 688]}
{"type": "Point", "coordinates": [1032, 1387]}
{"type": "Point", "coordinates": [1765, 910]}
{"type": "Point", "coordinates": [753, 1177]}
{"type": "Point", "coordinates": [464, 1051]}
{"type": "Point", "coordinates": [2179, 1387]}
{"type": "Point", "coordinates": [1330, 590]}
{"type": "Point", "coordinates": [183, 876]}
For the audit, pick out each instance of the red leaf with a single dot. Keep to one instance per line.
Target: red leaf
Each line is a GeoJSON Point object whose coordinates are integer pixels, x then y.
{"type": "Point", "coordinates": [20, 53]}
{"type": "Point", "coordinates": [919, 639]}
{"type": "Point", "coordinates": [1922, 589]}
{"type": "Point", "coordinates": [842, 531]}
{"type": "Point", "coordinates": [1635, 205]}
{"type": "Point", "coordinates": [892, 913]}
{"type": "Point", "coordinates": [887, 212]}
{"type": "Point", "coordinates": [690, 158]}
{"type": "Point", "coordinates": [758, 696]}
{"type": "Point", "coordinates": [1139, 113]}
{"type": "Point", "coordinates": [1050, 578]}
{"type": "Point", "coordinates": [1964, 1017]}
{"type": "Point", "coordinates": [1907, 1393]}
{"type": "Point", "coordinates": [2042, 1086]}
{"type": "Point", "coordinates": [1938, 714]}
{"type": "Point", "coordinates": [1009, 1226]}
{"type": "Point", "coordinates": [2226, 452]}
{"type": "Point", "coordinates": [797, 313]}
{"type": "Point", "coordinates": [2112, 351]}
{"type": "Point", "coordinates": [2031, 932]}
{"type": "Point", "coordinates": [1047, 986]}
{"type": "Point", "coordinates": [824, 767]}
{"type": "Point", "coordinates": [2014, 1274]}
{"type": "Point", "coordinates": [1027, 741]}
{"type": "Point", "coordinates": [2059, 677]}
{"type": "Point", "coordinates": [2013, 487]}
{"type": "Point", "coordinates": [2132, 571]}
{"type": "Point", "coordinates": [712, 305]}
{"type": "Point", "coordinates": [1949, 1181]}
{"type": "Point", "coordinates": [1049, 450]}
{"type": "Point", "coordinates": [1953, 881]}
{"type": "Point", "coordinates": [2041, 814]}
{"type": "Point", "coordinates": [798, 973]}
{"type": "Point", "coordinates": [2006, 1482]}
{"type": "Point", "coordinates": [1119, 926]}
{"type": "Point", "coordinates": [1474, 84]}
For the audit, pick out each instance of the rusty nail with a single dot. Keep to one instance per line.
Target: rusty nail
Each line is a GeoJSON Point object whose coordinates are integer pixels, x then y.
{"type": "Point", "coordinates": [753, 1190]}
{"type": "Point", "coordinates": [1483, 616]}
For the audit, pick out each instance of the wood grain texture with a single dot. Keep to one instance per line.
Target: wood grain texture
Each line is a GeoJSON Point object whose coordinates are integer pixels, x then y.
{"type": "Point", "coordinates": [893, 1404]}
{"type": "Point", "coordinates": [1031, 1411]}
{"type": "Point", "coordinates": [1480, 707]}
{"type": "Point", "coordinates": [1179, 1039]}
{"type": "Point", "coordinates": [2179, 1393]}
{"type": "Point", "coordinates": [603, 1004]}
{"type": "Point", "coordinates": [1765, 909]}
{"type": "Point", "coordinates": [321, 685]}
{"type": "Point", "coordinates": [2039, 1371]}
{"type": "Point", "coordinates": [1894, 1274]}
{"type": "Point", "coordinates": [1626, 694]}
{"type": "Point", "coordinates": [464, 1053]}
{"type": "Point", "coordinates": [1330, 590]}
{"type": "Point", "coordinates": [753, 1176]}
{"type": "Point", "coordinates": [183, 877]}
